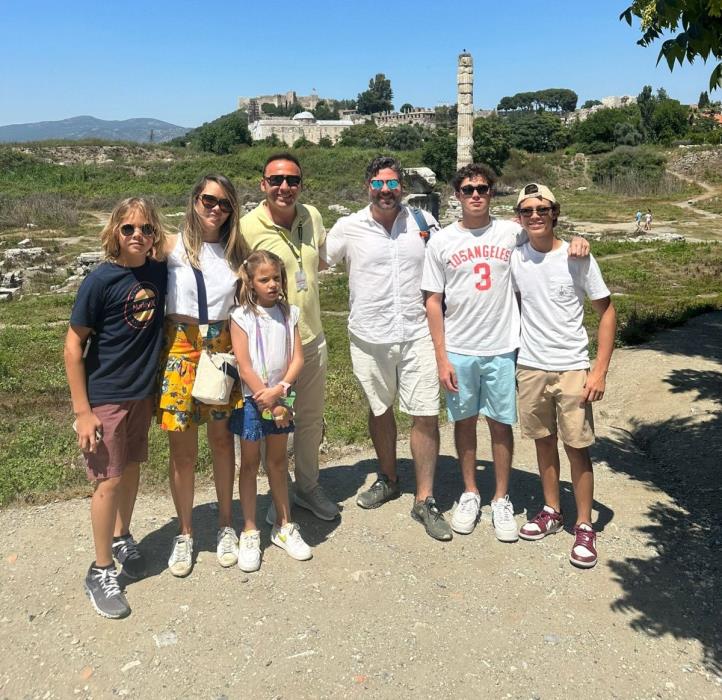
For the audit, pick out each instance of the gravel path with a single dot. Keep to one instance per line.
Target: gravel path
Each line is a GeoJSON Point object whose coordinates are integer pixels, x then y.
{"type": "Point", "coordinates": [384, 611]}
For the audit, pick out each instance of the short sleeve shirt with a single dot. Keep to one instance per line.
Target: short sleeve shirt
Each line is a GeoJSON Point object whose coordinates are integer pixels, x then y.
{"type": "Point", "coordinates": [553, 287]}
{"type": "Point", "coordinates": [124, 307]}
{"type": "Point", "coordinates": [272, 353]}
{"type": "Point", "coordinates": [472, 268]}
{"type": "Point", "coordinates": [297, 247]}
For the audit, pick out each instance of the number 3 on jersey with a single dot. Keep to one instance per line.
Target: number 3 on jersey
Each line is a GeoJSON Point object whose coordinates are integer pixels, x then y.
{"type": "Point", "coordinates": [484, 272]}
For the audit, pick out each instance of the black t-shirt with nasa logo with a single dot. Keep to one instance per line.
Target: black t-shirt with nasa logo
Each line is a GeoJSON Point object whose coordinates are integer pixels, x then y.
{"type": "Point", "coordinates": [124, 306]}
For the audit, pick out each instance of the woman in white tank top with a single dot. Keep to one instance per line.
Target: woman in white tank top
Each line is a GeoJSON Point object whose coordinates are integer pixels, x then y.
{"type": "Point", "coordinates": [211, 242]}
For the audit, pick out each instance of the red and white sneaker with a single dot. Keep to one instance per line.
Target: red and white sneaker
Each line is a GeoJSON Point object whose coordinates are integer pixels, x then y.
{"type": "Point", "coordinates": [584, 551]}
{"type": "Point", "coordinates": [546, 522]}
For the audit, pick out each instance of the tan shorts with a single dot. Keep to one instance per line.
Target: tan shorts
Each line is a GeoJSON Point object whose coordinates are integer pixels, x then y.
{"type": "Point", "coordinates": [407, 370]}
{"type": "Point", "coordinates": [550, 403]}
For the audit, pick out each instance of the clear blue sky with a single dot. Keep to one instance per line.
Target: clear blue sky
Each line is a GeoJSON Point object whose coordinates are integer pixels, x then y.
{"type": "Point", "coordinates": [187, 62]}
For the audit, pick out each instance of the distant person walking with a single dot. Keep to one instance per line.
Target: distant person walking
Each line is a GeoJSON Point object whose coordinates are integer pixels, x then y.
{"type": "Point", "coordinates": [111, 355]}
{"type": "Point", "coordinates": [648, 220]}
{"type": "Point", "coordinates": [638, 220]}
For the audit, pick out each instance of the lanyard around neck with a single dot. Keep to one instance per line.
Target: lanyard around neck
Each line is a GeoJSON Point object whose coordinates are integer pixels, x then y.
{"type": "Point", "coordinates": [260, 348]}
{"type": "Point", "coordinates": [296, 251]}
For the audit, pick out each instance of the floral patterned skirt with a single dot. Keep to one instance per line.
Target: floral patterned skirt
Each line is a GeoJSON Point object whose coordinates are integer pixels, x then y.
{"type": "Point", "coordinates": [182, 344]}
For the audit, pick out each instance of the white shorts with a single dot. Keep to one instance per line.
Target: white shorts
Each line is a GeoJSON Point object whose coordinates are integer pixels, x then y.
{"type": "Point", "coordinates": [404, 369]}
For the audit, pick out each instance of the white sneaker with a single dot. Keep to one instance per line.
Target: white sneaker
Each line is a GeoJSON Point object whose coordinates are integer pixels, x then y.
{"type": "Point", "coordinates": [466, 513]}
{"type": "Point", "coordinates": [502, 518]}
{"type": "Point", "coordinates": [249, 551]}
{"type": "Point", "coordinates": [289, 538]}
{"type": "Point", "coordinates": [180, 562]}
{"type": "Point", "coordinates": [227, 547]}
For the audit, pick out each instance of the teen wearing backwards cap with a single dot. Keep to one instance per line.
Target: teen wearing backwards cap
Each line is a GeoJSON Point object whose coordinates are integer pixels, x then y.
{"type": "Point", "coordinates": [556, 384]}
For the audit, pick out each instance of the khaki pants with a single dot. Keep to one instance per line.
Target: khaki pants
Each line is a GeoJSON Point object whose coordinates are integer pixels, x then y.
{"type": "Point", "coordinates": [309, 413]}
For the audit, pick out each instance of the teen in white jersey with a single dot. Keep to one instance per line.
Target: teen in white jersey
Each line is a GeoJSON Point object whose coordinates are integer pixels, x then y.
{"type": "Point", "coordinates": [556, 386]}
{"type": "Point", "coordinates": [468, 266]}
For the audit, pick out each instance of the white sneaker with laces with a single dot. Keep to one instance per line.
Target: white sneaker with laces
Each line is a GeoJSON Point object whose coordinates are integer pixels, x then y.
{"type": "Point", "coordinates": [249, 551]}
{"type": "Point", "coordinates": [289, 538]}
{"type": "Point", "coordinates": [180, 561]}
{"type": "Point", "coordinates": [466, 513]}
{"type": "Point", "coordinates": [227, 547]}
{"type": "Point", "coordinates": [502, 518]}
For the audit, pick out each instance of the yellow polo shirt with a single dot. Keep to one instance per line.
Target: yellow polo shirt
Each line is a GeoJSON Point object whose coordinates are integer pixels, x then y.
{"type": "Point", "coordinates": [298, 249]}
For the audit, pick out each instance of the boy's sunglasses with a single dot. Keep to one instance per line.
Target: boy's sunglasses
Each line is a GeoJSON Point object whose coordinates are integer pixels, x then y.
{"type": "Point", "coordinates": [277, 180]}
{"type": "Point", "coordinates": [146, 229]}
{"type": "Point", "coordinates": [209, 201]}
{"type": "Point", "coordinates": [541, 211]}
{"type": "Point", "coordinates": [468, 190]}
{"type": "Point", "coordinates": [392, 184]}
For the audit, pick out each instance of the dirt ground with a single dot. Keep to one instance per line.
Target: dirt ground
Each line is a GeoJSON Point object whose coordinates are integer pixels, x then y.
{"type": "Point", "coordinates": [384, 611]}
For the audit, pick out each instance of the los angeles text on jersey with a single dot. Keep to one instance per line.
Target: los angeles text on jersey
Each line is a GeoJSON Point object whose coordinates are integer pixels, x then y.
{"type": "Point", "coordinates": [479, 252]}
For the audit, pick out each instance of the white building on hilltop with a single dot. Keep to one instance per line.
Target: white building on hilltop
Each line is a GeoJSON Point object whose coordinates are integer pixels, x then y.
{"type": "Point", "coordinates": [301, 125]}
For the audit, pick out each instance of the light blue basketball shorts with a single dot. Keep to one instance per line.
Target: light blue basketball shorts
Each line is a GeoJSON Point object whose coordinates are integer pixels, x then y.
{"type": "Point", "coordinates": [487, 386]}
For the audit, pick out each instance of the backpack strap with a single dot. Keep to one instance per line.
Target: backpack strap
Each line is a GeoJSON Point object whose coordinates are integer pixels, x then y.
{"type": "Point", "coordinates": [424, 228]}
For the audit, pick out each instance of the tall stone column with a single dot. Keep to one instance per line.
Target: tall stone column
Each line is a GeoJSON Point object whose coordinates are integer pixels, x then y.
{"type": "Point", "coordinates": [465, 107]}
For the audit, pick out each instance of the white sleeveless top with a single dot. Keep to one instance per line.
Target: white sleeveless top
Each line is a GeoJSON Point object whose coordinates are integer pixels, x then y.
{"type": "Point", "coordinates": [220, 281]}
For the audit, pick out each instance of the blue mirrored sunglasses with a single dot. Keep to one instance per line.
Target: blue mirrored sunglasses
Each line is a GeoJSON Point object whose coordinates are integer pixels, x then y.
{"type": "Point", "coordinates": [393, 184]}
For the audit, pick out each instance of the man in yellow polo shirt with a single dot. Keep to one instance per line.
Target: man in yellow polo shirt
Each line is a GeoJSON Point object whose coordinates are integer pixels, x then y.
{"type": "Point", "coordinates": [295, 233]}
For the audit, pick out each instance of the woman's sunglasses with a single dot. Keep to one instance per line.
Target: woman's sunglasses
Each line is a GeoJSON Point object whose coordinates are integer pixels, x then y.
{"type": "Point", "coordinates": [209, 201]}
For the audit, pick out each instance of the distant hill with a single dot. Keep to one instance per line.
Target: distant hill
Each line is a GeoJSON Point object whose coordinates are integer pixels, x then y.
{"type": "Point", "coordinates": [85, 127]}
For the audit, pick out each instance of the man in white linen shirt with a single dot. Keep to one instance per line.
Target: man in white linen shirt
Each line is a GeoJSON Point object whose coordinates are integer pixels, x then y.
{"type": "Point", "coordinates": [391, 349]}
{"type": "Point", "coordinates": [476, 339]}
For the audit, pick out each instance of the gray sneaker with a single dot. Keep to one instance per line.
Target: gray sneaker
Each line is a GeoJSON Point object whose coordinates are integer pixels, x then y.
{"type": "Point", "coordinates": [101, 586]}
{"type": "Point", "coordinates": [317, 502]}
{"type": "Point", "coordinates": [381, 490]}
{"type": "Point", "coordinates": [431, 518]}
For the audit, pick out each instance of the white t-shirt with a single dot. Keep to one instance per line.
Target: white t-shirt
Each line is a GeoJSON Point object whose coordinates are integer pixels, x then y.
{"type": "Point", "coordinates": [277, 340]}
{"type": "Point", "coordinates": [471, 266]}
{"type": "Point", "coordinates": [553, 287]}
{"type": "Point", "coordinates": [218, 278]}
{"type": "Point", "coordinates": [384, 275]}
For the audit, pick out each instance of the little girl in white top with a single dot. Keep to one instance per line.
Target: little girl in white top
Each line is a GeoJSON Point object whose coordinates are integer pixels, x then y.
{"type": "Point", "coordinates": [267, 345]}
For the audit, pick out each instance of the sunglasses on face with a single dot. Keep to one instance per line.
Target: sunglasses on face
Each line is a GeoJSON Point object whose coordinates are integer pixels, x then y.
{"type": "Point", "coordinates": [146, 229]}
{"type": "Point", "coordinates": [209, 201]}
{"type": "Point", "coordinates": [392, 184]}
{"type": "Point", "coordinates": [468, 190]}
{"type": "Point", "coordinates": [540, 211]}
{"type": "Point", "coordinates": [277, 180]}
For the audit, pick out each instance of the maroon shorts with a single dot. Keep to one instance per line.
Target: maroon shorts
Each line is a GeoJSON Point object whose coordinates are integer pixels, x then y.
{"type": "Point", "coordinates": [125, 437]}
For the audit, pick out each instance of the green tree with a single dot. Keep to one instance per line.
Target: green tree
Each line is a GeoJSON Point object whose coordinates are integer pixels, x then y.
{"type": "Point", "coordinates": [645, 104]}
{"type": "Point", "coordinates": [324, 111]}
{"type": "Point", "coordinates": [492, 142]}
{"type": "Point", "coordinates": [445, 117]}
{"type": "Point", "coordinates": [597, 134]}
{"type": "Point", "coordinates": [591, 103]}
{"type": "Point", "coordinates": [403, 137]}
{"type": "Point", "coordinates": [378, 98]}
{"type": "Point", "coordinates": [325, 142]}
{"type": "Point", "coordinates": [537, 132]}
{"type": "Point", "coordinates": [222, 135]}
{"type": "Point", "coordinates": [364, 135]}
{"type": "Point", "coordinates": [703, 101]}
{"type": "Point", "coordinates": [697, 25]}
{"type": "Point", "coordinates": [439, 153]}
{"type": "Point", "coordinates": [407, 107]}
{"type": "Point", "coordinates": [303, 142]}
{"type": "Point", "coordinates": [670, 121]}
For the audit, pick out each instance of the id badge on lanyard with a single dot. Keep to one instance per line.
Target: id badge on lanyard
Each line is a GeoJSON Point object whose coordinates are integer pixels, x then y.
{"type": "Point", "coordinates": [301, 285]}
